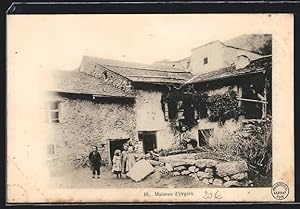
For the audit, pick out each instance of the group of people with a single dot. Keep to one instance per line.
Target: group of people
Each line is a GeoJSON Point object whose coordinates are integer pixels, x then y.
{"type": "Point", "coordinates": [122, 161]}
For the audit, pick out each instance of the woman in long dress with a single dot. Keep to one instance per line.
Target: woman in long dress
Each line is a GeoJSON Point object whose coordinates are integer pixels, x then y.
{"type": "Point", "coordinates": [124, 158]}
{"type": "Point", "coordinates": [130, 158]}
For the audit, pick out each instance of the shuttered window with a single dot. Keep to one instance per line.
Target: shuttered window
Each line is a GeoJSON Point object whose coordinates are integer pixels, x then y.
{"type": "Point", "coordinates": [51, 112]}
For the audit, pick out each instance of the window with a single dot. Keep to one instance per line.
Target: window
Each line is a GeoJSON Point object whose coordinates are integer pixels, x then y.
{"type": "Point", "coordinates": [250, 102]}
{"type": "Point", "coordinates": [105, 75]}
{"type": "Point", "coordinates": [170, 110]}
{"type": "Point", "coordinates": [188, 64]}
{"type": "Point", "coordinates": [205, 60]}
{"type": "Point", "coordinates": [51, 149]}
{"type": "Point", "coordinates": [172, 106]}
{"type": "Point", "coordinates": [149, 140]}
{"type": "Point", "coordinates": [51, 112]}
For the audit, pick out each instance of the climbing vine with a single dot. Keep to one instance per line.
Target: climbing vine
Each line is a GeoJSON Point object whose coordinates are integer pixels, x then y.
{"type": "Point", "coordinates": [217, 108]}
{"type": "Point", "coordinates": [223, 107]}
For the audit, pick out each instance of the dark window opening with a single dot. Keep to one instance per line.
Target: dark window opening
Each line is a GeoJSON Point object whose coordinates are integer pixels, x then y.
{"type": "Point", "coordinates": [188, 64]}
{"type": "Point", "coordinates": [204, 135]}
{"type": "Point", "coordinates": [205, 60]}
{"type": "Point", "coordinates": [188, 113]}
{"type": "Point", "coordinates": [105, 75]}
{"type": "Point", "coordinates": [54, 117]}
{"type": "Point", "coordinates": [149, 140]}
{"type": "Point", "coordinates": [172, 108]}
{"type": "Point", "coordinates": [252, 109]}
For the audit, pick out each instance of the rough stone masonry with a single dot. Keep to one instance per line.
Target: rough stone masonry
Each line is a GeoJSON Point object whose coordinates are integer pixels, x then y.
{"type": "Point", "coordinates": [209, 171]}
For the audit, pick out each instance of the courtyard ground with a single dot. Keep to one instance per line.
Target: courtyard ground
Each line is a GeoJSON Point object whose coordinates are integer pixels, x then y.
{"type": "Point", "coordinates": [82, 178]}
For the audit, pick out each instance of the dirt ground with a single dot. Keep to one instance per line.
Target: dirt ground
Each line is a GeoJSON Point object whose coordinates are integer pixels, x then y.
{"type": "Point", "coordinates": [82, 178]}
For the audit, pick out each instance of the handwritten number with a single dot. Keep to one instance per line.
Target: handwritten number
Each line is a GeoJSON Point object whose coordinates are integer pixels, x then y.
{"type": "Point", "coordinates": [218, 196]}
{"type": "Point", "coordinates": [210, 195]}
{"type": "Point", "coordinates": [207, 195]}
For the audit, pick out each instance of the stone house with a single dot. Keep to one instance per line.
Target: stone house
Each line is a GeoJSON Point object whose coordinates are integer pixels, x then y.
{"type": "Point", "coordinates": [204, 58]}
{"type": "Point", "coordinates": [108, 102]}
{"type": "Point", "coordinates": [252, 85]}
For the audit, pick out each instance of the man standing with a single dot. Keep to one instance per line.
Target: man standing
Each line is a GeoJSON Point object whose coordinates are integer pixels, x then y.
{"type": "Point", "coordinates": [95, 161]}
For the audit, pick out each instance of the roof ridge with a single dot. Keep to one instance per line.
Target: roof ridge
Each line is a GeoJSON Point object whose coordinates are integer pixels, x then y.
{"type": "Point", "coordinates": [171, 61]}
{"type": "Point", "coordinates": [211, 42]}
{"type": "Point", "coordinates": [181, 71]}
{"type": "Point", "coordinates": [123, 64]}
{"type": "Point", "coordinates": [156, 77]}
{"type": "Point", "coordinates": [242, 49]}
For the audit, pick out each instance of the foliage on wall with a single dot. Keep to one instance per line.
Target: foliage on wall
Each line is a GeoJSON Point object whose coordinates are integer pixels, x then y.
{"type": "Point", "coordinates": [223, 107]}
{"type": "Point", "coordinates": [218, 108]}
{"type": "Point", "coordinates": [255, 145]}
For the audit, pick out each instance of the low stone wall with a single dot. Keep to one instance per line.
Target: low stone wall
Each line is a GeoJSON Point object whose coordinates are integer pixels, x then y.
{"type": "Point", "coordinates": [217, 173]}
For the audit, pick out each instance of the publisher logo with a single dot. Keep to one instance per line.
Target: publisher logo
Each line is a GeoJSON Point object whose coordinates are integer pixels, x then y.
{"type": "Point", "coordinates": [280, 191]}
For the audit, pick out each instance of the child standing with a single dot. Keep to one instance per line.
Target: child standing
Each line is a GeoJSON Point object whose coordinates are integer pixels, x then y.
{"type": "Point", "coordinates": [95, 161]}
{"type": "Point", "coordinates": [117, 163]}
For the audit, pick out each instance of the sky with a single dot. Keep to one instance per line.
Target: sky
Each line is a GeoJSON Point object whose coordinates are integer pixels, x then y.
{"type": "Point", "coordinates": [58, 42]}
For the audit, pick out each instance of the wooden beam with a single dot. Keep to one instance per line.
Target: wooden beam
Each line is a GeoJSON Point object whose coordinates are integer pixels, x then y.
{"type": "Point", "coordinates": [252, 100]}
{"type": "Point", "coordinates": [240, 94]}
{"type": "Point", "coordinates": [264, 105]}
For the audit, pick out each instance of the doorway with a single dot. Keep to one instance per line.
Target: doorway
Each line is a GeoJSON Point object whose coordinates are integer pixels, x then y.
{"type": "Point", "coordinates": [204, 135]}
{"type": "Point", "coordinates": [149, 140]}
{"type": "Point", "coordinates": [115, 144]}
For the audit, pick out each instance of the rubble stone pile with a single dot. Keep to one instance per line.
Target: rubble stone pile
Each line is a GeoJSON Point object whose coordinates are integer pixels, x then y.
{"type": "Point", "coordinates": [209, 171]}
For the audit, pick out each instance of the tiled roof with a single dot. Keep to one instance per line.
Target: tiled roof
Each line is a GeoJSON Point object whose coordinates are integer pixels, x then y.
{"type": "Point", "coordinates": [255, 66]}
{"type": "Point", "coordinates": [141, 72]}
{"type": "Point", "coordinates": [81, 83]}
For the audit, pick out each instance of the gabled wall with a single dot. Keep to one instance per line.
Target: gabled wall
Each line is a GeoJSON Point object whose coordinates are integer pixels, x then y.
{"type": "Point", "coordinates": [105, 75]}
{"type": "Point", "coordinates": [150, 117]}
{"type": "Point", "coordinates": [218, 55]}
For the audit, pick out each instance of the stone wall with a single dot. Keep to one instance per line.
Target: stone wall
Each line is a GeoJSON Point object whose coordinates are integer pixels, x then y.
{"type": "Point", "coordinates": [150, 117]}
{"type": "Point", "coordinates": [218, 131]}
{"type": "Point", "coordinates": [85, 123]}
{"type": "Point", "coordinates": [209, 171]}
{"type": "Point", "coordinates": [105, 75]}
